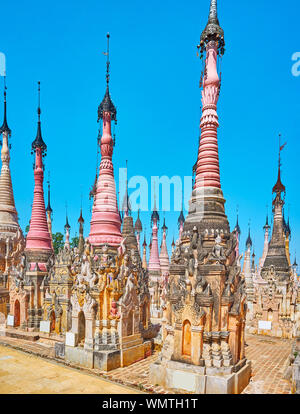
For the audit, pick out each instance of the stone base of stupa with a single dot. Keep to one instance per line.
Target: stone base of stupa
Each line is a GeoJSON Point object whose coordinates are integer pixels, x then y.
{"type": "Point", "coordinates": [107, 358]}
{"type": "Point", "coordinates": [201, 380]}
{"type": "Point", "coordinates": [157, 320]}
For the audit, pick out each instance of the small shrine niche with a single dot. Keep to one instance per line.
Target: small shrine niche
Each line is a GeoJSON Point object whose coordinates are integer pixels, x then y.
{"type": "Point", "coordinates": [81, 328]}
{"type": "Point", "coordinates": [186, 339]}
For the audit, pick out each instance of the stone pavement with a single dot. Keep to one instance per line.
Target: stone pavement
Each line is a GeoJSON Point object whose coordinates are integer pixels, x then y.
{"type": "Point", "coordinates": [21, 373]}
{"type": "Point", "coordinates": [269, 358]}
{"type": "Point", "coordinates": [137, 375]}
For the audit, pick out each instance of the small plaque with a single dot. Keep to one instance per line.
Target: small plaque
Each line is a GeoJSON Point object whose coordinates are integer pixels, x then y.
{"type": "Point", "coordinates": [71, 339]}
{"type": "Point", "coordinates": [10, 321]}
{"type": "Point", "coordinates": [265, 325]}
{"type": "Point", "coordinates": [45, 326]}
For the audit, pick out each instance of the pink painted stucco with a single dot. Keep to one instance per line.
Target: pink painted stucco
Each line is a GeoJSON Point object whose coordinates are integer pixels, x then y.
{"type": "Point", "coordinates": [208, 172]}
{"type": "Point", "coordinates": [38, 237]}
{"type": "Point", "coordinates": [164, 255]}
{"type": "Point", "coordinates": [105, 222]}
{"type": "Point", "coordinates": [154, 263]}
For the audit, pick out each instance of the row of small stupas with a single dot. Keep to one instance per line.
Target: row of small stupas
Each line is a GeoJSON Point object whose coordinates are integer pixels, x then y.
{"type": "Point", "coordinates": [273, 289]}
{"type": "Point", "coordinates": [93, 300]}
{"type": "Point", "coordinates": [96, 301]}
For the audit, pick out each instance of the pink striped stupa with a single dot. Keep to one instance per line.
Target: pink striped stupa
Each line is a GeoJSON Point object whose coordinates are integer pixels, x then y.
{"type": "Point", "coordinates": [106, 222]}
{"type": "Point", "coordinates": [154, 263]}
{"type": "Point", "coordinates": [38, 239]}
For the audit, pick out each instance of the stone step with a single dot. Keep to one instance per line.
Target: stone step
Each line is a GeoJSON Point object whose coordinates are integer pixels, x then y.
{"type": "Point", "coordinates": [28, 336]}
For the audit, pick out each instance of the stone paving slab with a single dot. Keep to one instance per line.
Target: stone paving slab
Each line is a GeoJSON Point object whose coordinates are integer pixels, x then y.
{"type": "Point", "coordinates": [269, 358]}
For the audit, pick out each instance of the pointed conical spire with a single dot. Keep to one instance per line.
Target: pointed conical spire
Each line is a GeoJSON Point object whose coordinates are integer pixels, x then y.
{"type": "Point", "coordinates": [9, 225]}
{"type": "Point", "coordinates": [81, 220]}
{"type": "Point", "coordinates": [81, 238]}
{"type": "Point", "coordinates": [4, 127]}
{"type": "Point", "coordinates": [164, 227]}
{"type": "Point", "coordinates": [144, 260]}
{"type": "Point", "coordinates": [138, 224]}
{"type": "Point", "coordinates": [7, 201]}
{"type": "Point", "coordinates": [278, 255]}
{"type": "Point", "coordinates": [154, 215]}
{"type": "Point", "coordinates": [288, 228]}
{"type": "Point", "coordinates": [38, 237]}
{"type": "Point", "coordinates": [94, 187]}
{"type": "Point", "coordinates": [154, 264]}
{"type": "Point", "coordinates": [181, 218]}
{"type": "Point", "coordinates": [107, 104]}
{"type": "Point", "coordinates": [126, 207]}
{"type": "Point", "coordinates": [67, 225]}
{"type": "Point", "coordinates": [67, 230]}
{"type": "Point", "coordinates": [164, 255]}
{"type": "Point", "coordinates": [266, 226]}
{"type": "Point", "coordinates": [253, 262]}
{"type": "Point", "coordinates": [249, 241]}
{"type": "Point", "coordinates": [237, 226]}
{"type": "Point", "coordinates": [173, 245]}
{"type": "Point", "coordinates": [106, 222]}
{"type": "Point", "coordinates": [279, 187]}
{"type": "Point", "coordinates": [266, 244]}
{"type": "Point", "coordinates": [49, 209]}
{"type": "Point", "coordinates": [213, 30]}
{"type": "Point", "coordinates": [38, 142]}
{"type": "Point", "coordinates": [144, 242]}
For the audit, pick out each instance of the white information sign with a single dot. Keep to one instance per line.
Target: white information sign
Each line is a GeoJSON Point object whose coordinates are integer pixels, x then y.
{"type": "Point", "coordinates": [266, 325]}
{"type": "Point", "coordinates": [10, 320]}
{"type": "Point", "coordinates": [45, 326]}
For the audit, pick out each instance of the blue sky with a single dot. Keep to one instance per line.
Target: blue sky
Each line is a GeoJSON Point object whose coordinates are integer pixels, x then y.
{"type": "Point", "coordinates": [154, 84]}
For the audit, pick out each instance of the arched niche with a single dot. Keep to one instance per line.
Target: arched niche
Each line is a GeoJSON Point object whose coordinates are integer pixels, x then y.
{"type": "Point", "coordinates": [17, 313]}
{"type": "Point", "coordinates": [186, 338]}
{"type": "Point", "coordinates": [81, 328]}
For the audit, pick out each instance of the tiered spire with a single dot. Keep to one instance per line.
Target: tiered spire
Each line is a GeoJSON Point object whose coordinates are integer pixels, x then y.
{"type": "Point", "coordinates": [276, 255]}
{"type": "Point", "coordinates": [266, 244]}
{"type": "Point", "coordinates": [173, 245]}
{"type": "Point", "coordinates": [164, 256]}
{"type": "Point", "coordinates": [126, 208]}
{"type": "Point", "coordinates": [4, 128]}
{"type": "Point", "coordinates": [81, 238]}
{"type": "Point", "coordinates": [144, 253]}
{"type": "Point", "coordinates": [238, 234]}
{"type": "Point", "coordinates": [247, 258]}
{"type": "Point", "coordinates": [106, 223]}
{"type": "Point", "coordinates": [207, 202]}
{"type": "Point", "coordinates": [67, 230]}
{"type": "Point", "coordinates": [49, 209]}
{"type": "Point", "coordinates": [295, 263]}
{"type": "Point", "coordinates": [237, 226]}
{"type": "Point", "coordinates": [8, 212]}
{"type": "Point", "coordinates": [181, 221]}
{"type": "Point", "coordinates": [38, 237]}
{"type": "Point", "coordinates": [11, 234]}
{"type": "Point", "coordinates": [138, 228]}
{"type": "Point", "coordinates": [49, 212]}
{"type": "Point", "coordinates": [266, 226]}
{"type": "Point", "coordinates": [249, 240]}
{"type": "Point", "coordinates": [213, 31]}
{"type": "Point", "coordinates": [154, 264]}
